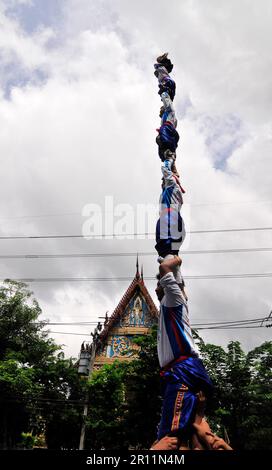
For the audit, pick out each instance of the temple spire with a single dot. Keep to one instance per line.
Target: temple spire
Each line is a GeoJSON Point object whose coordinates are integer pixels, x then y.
{"type": "Point", "coordinates": [142, 272]}
{"type": "Point", "coordinates": [137, 268]}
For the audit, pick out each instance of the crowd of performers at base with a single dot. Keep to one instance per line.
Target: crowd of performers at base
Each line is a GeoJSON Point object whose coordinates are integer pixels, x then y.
{"type": "Point", "coordinates": [186, 383]}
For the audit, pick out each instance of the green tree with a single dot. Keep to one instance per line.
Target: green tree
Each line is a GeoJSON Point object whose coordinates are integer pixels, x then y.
{"type": "Point", "coordinates": [125, 398]}
{"type": "Point", "coordinates": [106, 410]}
{"type": "Point", "coordinates": [243, 393]}
{"type": "Point", "coordinates": [36, 382]}
{"type": "Point", "coordinates": [41, 393]}
{"type": "Point", "coordinates": [17, 390]}
{"type": "Point", "coordinates": [256, 426]}
{"type": "Point", "coordinates": [125, 401]}
{"type": "Point", "coordinates": [21, 336]}
{"type": "Point", "coordinates": [60, 401]}
{"type": "Point", "coordinates": [143, 394]}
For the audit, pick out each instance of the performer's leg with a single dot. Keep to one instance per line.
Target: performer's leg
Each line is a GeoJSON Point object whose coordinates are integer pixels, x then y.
{"type": "Point", "coordinates": [178, 412]}
{"type": "Point", "coordinates": [201, 426]}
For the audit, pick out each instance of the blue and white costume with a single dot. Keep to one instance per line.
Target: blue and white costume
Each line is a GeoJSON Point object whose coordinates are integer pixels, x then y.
{"type": "Point", "coordinates": [166, 83]}
{"type": "Point", "coordinates": [167, 139]}
{"type": "Point", "coordinates": [182, 370]}
{"type": "Point", "coordinates": [170, 229]}
{"type": "Point", "coordinates": [174, 334]}
{"type": "Point", "coordinates": [168, 136]}
{"type": "Point", "coordinates": [169, 114]}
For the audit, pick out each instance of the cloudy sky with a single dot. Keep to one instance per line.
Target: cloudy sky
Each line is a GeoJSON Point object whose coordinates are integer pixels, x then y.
{"type": "Point", "coordinates": [78, 118]}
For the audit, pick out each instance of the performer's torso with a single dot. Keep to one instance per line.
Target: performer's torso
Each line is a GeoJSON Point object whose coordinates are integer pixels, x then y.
{"type": "Point", "coordinates": [175, 337]}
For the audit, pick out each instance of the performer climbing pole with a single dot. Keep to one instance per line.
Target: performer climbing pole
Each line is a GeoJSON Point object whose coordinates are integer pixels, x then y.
{"type": "Point", "coordinates": [186, 383]}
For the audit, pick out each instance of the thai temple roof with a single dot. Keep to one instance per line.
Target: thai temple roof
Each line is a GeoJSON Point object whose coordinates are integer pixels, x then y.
{"type": "Point", "coordinates": [136, 285]}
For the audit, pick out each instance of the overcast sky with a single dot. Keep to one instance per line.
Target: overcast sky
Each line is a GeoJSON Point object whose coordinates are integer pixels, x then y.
{"type": "Point", "coordinates": [78, 118]}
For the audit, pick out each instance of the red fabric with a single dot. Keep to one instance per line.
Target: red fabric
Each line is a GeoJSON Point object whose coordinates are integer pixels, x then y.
{"type": "Point", "coordinates": [172, 363]}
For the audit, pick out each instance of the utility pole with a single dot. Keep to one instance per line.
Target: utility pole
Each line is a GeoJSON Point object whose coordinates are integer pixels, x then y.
{"type": "Point", "coordinates": [85, 368]}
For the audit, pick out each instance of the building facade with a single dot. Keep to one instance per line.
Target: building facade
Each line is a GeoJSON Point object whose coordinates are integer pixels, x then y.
{"type": "Point", "coordinates": [135, 315]}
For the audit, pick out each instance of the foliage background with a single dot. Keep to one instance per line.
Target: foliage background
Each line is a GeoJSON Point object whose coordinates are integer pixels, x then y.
{"type": "Point", "coordinates": [42, 396]}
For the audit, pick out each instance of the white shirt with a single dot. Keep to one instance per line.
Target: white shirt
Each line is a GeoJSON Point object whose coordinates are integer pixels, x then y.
{"type": "Point", "coordinates": [175, 337]}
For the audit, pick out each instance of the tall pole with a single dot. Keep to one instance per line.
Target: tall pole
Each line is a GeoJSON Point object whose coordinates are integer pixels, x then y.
{"type": "Point", "coordinates": [86, 363]}
{"type": "Point", "coordinates": [86, 406]}
{"type": "Point", "coordinates": [83, 428]}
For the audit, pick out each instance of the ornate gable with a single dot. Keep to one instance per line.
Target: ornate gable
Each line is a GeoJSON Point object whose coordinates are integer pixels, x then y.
{"type": "Point", "coordinates": [135, 314]}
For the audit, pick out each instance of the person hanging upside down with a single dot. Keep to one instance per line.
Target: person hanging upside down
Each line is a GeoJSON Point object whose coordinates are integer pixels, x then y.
{"type": "Point", "coordinates": [168, 136]}
{"type": "Point", "coordinates": [167, 139]}
{"type": "Point", "coordinates": [182, 370]}
{"type": "Point", "coordinates": [167, 112]}
{"type": "Point", "coordinates": [170, 229]}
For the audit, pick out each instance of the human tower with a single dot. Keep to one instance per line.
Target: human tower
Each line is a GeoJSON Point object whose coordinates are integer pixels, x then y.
{"type": "Point", "coordinates": [185, 379]}
{"type": "Point", "coordinates": [170, 230]}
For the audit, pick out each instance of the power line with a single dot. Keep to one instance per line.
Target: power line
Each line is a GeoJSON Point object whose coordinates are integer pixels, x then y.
{"type": "Point", "coordinates": [122, 235]}
{"type": "Point", "coordinates": [147, 278]}
{"type": "Point", "coordinates": [218, 323]}
{"type": "Point", "coordinates": [64, 214]}
{"type": "Point", "coordinates": [246, 323]}
{"type": "Point", "coordinates": [231, 230]}
{"type": "Point", "coordinates": [86, 323]}
{"type": "Point", "coordinates": [76, 213]}
{"type": "Point", "coordinates": [196, 328]}
{"type": "Point", "coordinates": [234, 322]}
{"type": "Point", "coordinates": [73, 334]}
{"type": "Point", "coordinates": [120, 254]}
{"type": "Point", "coordinates": [228, 327]}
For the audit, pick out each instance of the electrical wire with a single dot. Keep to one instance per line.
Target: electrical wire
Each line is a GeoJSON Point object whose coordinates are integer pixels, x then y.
{"type": "Point", "coordinates": [195, 328]}
{"type": "Point", "coordinates": [147, 278]}
{"type": "Point", "coordinates": [122, 235]}
{"type": "Point", "coordinates": [234, 324]}
{"type": "Point", "coordinates": [64, 214]}
{"type": "Point", "coordinates": [140, 253]}
{"type": "Point", "coordinates": [218, 323]}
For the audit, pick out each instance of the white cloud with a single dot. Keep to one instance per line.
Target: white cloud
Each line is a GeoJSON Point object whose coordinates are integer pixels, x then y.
{"type": "Point", "coordinates": [4, 4]}
{"type": "Point", "coordinates": [86, 129]}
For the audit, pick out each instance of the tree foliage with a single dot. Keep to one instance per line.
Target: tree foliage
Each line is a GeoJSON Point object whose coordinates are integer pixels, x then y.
{"type": "Point", "coordinates": [36, 381]}
{"type": "Point", "coordinates": [42, 396]}
{"type": "Point", "coordinates": [242, 400]}
{"type": "Point", "coordinates": [126, 401]}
